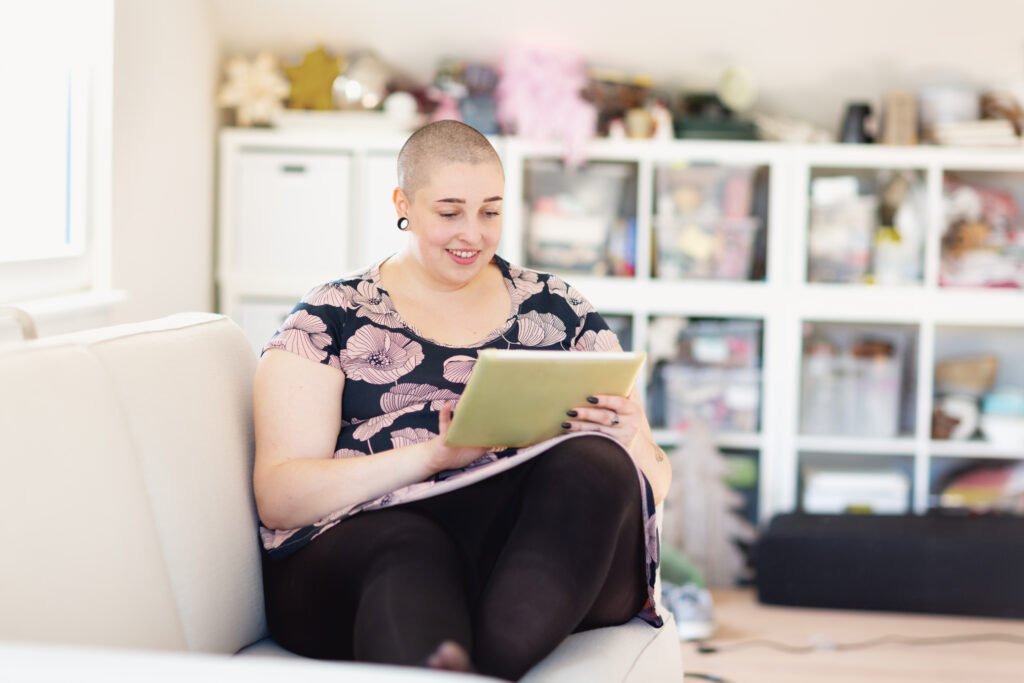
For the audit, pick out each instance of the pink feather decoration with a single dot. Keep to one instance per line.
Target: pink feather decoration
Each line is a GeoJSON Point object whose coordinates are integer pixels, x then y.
{"type": "Point", "coordinates": [538, 97]}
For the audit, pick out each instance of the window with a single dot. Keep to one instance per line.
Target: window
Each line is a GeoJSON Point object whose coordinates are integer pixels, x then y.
{"type": "Point", "coordinates": [55, 64]}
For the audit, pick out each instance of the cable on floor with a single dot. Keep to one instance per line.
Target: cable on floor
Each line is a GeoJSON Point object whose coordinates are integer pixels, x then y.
{"type": "Point", "coordinates": [704, 677]}
{"type": "Point", "coordinates": [829, 646]}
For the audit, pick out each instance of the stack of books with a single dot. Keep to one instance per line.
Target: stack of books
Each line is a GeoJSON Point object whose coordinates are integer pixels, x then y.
{"type": "Point", "coordinates": [983, 133]}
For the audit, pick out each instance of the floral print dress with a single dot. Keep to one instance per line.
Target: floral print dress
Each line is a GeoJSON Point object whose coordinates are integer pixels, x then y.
{"type": "Point", "coordinates": [396, 380]}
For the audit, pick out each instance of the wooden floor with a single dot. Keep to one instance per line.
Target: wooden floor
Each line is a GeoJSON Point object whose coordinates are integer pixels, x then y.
{"type": "Point", "coordinates": [739, 617]}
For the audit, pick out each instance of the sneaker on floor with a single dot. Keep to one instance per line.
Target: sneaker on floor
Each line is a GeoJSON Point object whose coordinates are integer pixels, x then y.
{"type": "Point", "coordinates": [691, 607]}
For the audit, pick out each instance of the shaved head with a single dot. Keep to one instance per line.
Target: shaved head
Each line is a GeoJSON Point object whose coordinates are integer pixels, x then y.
{"type": "Point", "coordinates": [441, 142]}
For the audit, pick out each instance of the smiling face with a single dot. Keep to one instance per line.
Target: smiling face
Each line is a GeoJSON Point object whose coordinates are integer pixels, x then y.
{"type": "Point", "coordinates": [454, 220]}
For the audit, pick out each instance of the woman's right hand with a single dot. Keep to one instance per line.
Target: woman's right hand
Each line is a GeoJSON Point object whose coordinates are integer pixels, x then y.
{"type": "Point", "coordinates": [445, 457]}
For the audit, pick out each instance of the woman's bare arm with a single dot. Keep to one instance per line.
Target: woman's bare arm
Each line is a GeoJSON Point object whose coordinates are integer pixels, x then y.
{"type": "Point", "coordinates": [650, 457]}
{"type": "Point", "coordinates": [297, 414]}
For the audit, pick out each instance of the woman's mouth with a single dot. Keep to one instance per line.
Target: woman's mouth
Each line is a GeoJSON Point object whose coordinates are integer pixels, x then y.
{"type": "Point", "coordinates": [463, 256]}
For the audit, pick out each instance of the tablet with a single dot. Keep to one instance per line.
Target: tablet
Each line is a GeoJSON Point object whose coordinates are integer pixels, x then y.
{"type": "Point", "coordinates": [517, 398]}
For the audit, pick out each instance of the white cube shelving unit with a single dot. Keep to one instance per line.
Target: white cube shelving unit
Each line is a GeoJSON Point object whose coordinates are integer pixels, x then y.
{"type": "Point", "coordinates": [296, 209]}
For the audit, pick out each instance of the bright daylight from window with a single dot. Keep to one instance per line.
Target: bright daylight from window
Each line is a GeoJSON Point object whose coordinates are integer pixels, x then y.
{"type": "Point", "coordinates": [48, 58]}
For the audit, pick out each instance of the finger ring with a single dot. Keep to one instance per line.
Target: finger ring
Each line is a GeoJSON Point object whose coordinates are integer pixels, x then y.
{"type": "Point", "coordinates": [615, 419]}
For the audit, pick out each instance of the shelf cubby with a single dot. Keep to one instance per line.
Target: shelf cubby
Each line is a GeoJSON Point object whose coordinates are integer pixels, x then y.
{"type": "Point", "coordinates": [834, 483]}
{"type": "Point", "coordinates": [704, 369]}
{"type": "Point", "coordinates": [973, 485]}
{"type": "Point", "coordinates": [982, 228]}
{"type": "Point", "coordinates": [710, 221]}
{"type": "Point", "coordinates": [866, 225]}
{"type": "Point", "coordinates": [580, 220]}
{"type": "Point", "coordinates": [858, 380]}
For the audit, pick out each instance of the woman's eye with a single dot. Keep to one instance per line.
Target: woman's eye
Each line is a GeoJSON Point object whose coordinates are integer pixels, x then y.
{"type": "Point", "coordinates": [492, 213]}
{"type": "Point", "coordinates": [449, 215]}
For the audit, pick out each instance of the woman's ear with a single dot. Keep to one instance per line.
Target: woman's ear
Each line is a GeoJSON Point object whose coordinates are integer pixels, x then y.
{"type": "Point", "coordinates": [401, 202]}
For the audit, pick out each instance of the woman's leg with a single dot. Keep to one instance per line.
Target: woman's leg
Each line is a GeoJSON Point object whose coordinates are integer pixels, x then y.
{"type": "Point", "coordinates": [573, 560]}
{"type": "Point", "coordinates": [384, 586]}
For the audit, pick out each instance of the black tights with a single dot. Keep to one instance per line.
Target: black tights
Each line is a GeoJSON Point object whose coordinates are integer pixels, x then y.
{"type": "Point", "coordinates": [507, 567]}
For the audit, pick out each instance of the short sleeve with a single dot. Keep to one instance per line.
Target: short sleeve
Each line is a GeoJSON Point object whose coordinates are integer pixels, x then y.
{"type": "Point", "coordinates": [594, 334]}
{"type": "Point", "coordinates": [592, 331]}
{"type": "Point", "coordinates": [312, 330]}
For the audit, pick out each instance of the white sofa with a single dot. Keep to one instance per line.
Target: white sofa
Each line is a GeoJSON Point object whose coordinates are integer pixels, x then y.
{"type": "Point", "coordinates": [130, 526]}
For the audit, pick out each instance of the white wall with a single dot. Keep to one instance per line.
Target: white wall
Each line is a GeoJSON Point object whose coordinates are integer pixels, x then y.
{"type": "Point", "coordinates": [162, 186]}
{"type": "Point", "coordinates": [810, 56]}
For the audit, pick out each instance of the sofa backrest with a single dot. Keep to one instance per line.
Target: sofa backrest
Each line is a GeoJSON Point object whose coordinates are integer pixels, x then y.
{"type": "Point", "coordinates": [125, 487]}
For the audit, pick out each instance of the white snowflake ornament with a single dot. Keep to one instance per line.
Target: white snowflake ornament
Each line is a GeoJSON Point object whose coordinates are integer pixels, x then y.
{"type": "Point", "coordinates": [255, 89]}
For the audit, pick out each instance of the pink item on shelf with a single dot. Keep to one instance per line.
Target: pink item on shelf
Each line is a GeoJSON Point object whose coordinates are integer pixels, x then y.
{"type": "Point", "coordinates": [545, 205]}
{"type": "Point", "coordinates": [995, 206]}
{"type": "Point", "coordinates": [538, 97]}
{"type": "Point", "coordinates": [447, 109]}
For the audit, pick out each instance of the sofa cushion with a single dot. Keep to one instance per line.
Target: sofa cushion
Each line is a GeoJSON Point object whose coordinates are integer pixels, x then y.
{"type": "Point", "coordinates": [142, 434]}
{"type": "Point", "coordinates": [185, 389]}
{"type": "Point", "coordinates": [38, 663]}
{"type": "Point", "coordinates": [82, 561]}
{"type": "Point", "coordinates": [635, 652]}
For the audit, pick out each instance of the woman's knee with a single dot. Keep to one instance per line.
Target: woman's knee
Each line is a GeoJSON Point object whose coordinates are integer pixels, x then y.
{"type": "Point", "coordinates": [594, 464]}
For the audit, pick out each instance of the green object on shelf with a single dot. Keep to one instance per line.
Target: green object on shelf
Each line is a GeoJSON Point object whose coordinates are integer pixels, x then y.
{"type": "Point", "coordinates": [742, 471]}
{"type": "Point", "coordinates": [714, 129]}
{"type": "Point", "coordinates": [677, 569]}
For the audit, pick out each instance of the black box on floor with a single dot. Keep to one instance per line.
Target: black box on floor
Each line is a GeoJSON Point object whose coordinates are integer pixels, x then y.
{"type": "Point", "coordinates": [938, 564]}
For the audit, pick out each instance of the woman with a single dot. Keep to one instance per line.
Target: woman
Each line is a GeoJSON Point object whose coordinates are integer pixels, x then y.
{"type": "Point", "coordinates": [383, 544]}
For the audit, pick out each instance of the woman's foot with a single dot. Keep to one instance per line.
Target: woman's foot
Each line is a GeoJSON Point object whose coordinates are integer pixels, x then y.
{"type": "Point", "coordinates": [449, 656]}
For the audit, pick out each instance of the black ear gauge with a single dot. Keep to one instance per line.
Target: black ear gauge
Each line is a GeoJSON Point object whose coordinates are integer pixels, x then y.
{"type": "Point", "coordinates": [403, 223]}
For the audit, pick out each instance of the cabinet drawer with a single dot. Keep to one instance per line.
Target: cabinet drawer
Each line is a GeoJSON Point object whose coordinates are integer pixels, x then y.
{"type": "Point", "coordinates": [293, 213]}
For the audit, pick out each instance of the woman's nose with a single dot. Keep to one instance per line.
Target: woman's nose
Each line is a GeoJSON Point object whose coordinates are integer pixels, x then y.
{"type": "Point", "coordinates": [470, 230]}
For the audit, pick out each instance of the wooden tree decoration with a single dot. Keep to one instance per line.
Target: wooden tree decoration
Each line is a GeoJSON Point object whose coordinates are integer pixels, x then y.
{"type": "Point", "coordinates": [313, 80]}
{"type": "Point", "coordinates": [255, 89]}
{"type": "Point", "coordinates": [699, 510]}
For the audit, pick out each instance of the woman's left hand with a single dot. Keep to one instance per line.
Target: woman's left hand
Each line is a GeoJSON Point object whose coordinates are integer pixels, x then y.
{"type": "Point", "coordinates": [618, 417]}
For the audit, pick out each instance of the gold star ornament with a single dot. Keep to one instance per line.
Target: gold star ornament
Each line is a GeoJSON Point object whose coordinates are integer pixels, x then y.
{"type": "Point", "coordinates": [313, 80]}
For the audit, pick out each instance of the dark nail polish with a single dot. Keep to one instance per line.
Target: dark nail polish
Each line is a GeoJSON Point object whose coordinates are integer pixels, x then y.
{"type": "Point", "coordinates": [591, 399]}
{"type": "Point", "coordinates": [566, 425]}
{"type": "Point", "coordinates": [571, 413]}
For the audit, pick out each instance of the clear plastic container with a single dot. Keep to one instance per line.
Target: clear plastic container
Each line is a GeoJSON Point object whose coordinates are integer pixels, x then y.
{"type": "Point", "coordinates": [728, 399]}
{"type": "Point", "coordinates": [706, 222]}
{"type": "Point", "coordinates": [582, 220]}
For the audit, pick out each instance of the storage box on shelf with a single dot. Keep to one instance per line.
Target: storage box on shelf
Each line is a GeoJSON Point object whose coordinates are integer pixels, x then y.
{"type": "Point", "coordinates": [710, 221]}
{"type": "Point", "coordinates": [834, 483]}
{"type": "Point", "coordinates": [704, 369]}
{"type": "Point", "coordinates": [866, 225]}
{"type": "Point", "coordinates": [858, 380]}
{"type": "Point", "coordinates": [842, 240]}
{"type": "Point", "coordinates": [580, 220]}
{"type": "Point", "coordinates": [296, 209]}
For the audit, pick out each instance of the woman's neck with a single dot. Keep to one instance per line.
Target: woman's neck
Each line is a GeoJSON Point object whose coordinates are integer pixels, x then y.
{"type": "Point", "coordinates": [452, 314]}
{"type": "Point", "coordinates": [404, 272]}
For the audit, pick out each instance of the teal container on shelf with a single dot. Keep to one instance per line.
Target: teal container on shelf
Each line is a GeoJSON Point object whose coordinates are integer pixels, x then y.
{"type": "Point", "coordinates": [1003, 402]}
